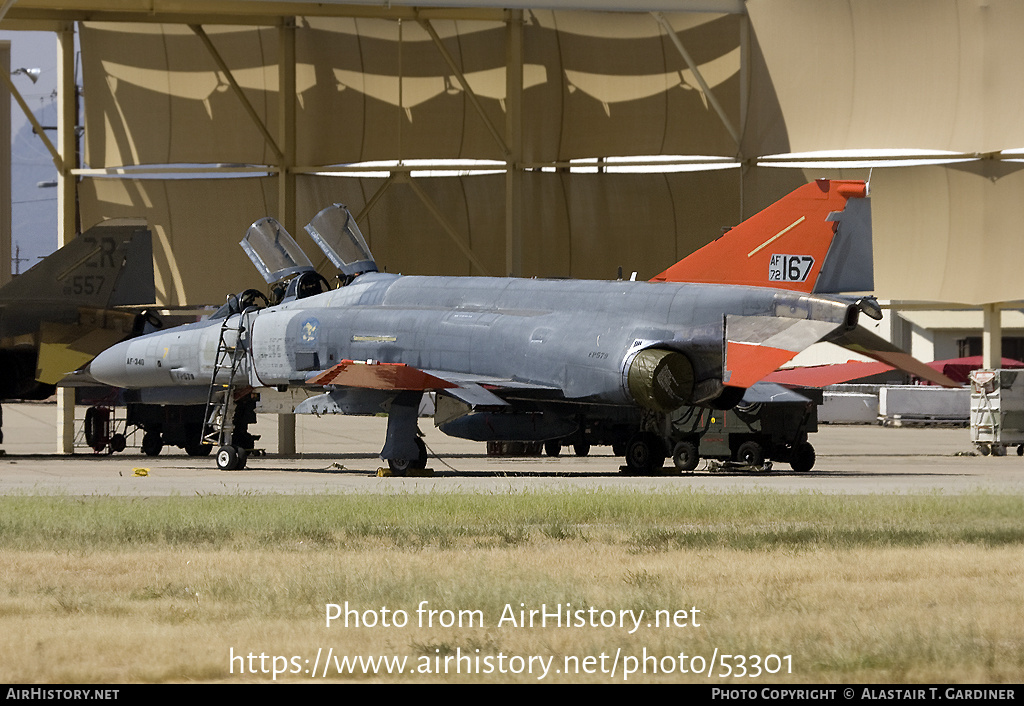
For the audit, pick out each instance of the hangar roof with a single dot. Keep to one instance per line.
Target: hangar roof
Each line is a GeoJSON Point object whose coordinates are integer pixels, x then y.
{"type": "Point", "coordinates": [250, 10]}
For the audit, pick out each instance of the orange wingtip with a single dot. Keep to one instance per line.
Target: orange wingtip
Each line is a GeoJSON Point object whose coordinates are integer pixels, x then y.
{"type": "Point", "coordinates": [379, 376]}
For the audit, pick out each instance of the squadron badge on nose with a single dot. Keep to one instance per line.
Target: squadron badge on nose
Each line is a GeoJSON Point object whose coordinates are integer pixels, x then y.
{"type": "Point", "coordinates": [310, 328]}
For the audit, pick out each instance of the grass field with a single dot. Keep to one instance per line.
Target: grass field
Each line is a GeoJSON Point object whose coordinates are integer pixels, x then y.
{"type": "Point", "coordinates": [922, 588]}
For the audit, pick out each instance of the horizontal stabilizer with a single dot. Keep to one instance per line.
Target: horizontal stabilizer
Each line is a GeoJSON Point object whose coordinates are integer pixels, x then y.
{"type": "Point", "coordinates": [862, 341]}
{"type": "Point", "coordinates": [825, 375]}
{"type": "Point", "coordinates": [757, 345]}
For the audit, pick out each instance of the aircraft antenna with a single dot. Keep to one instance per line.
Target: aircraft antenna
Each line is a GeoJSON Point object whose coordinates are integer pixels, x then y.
{"type": "Point", "coordinates": [18, 259]}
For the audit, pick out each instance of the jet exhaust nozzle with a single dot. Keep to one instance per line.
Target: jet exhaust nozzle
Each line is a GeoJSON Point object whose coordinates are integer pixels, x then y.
{"type": "Point", "coordinates": [660, 380]}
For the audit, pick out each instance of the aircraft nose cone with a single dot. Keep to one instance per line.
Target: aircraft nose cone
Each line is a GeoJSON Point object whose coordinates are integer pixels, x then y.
{"type": "Point", "coordinates": [109, 366]}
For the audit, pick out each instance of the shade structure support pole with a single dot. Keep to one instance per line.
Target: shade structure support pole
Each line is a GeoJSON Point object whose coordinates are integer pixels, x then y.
{"type": "Point", "coordinates": [5, 164]}
{"type": "Point", "coordinates": [514, 141]}
{"type": "Point", "coordinates": [992, 336]}
{"type": "Point", "coordinates": [286, 193]}
{"type": "Point", "coordinates": [67, 201]}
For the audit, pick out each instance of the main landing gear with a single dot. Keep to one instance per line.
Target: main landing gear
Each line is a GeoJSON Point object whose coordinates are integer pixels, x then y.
{"type": "Point", "coordinates": [645, 453]}
{"type": "Point", "coordinates": [747, 438]}
{"type": "Point", "coordinates": [404, 449]}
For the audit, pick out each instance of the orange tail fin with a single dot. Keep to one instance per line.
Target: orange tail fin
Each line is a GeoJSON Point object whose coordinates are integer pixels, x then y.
{"type": "Point", "coordinates": [816, 239]}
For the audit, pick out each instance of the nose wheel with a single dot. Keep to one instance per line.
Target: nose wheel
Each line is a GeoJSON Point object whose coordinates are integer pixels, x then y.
{"type": "Point", "coordinates": [231, 458]}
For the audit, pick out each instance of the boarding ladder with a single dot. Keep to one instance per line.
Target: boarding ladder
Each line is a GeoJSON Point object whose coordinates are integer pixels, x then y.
{"type": "Point", "coordinates": [220, 402]}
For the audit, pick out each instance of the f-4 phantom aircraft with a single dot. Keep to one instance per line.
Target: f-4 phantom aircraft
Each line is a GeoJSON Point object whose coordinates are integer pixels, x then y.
{"type": "Point", "coordinates": [60, 313]}
{"type": "Point", "coordinates": [521, 359]}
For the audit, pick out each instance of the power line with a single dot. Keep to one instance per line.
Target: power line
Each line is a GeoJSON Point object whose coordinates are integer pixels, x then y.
{"type": "Point", "coordinates": [15, 203]}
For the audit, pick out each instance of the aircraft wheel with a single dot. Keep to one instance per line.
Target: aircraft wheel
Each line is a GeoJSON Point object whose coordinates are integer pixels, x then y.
{"type": "Point", "coordinates": [118, 443]}
{"type": "Point", "coordinates": [581, 448]}
{"type": "Point", "coordinates": [750, 453]}
{"type": "Point", "coordinates": [402, 466]}
{"type": "Point", "coordinates": [1020, 450]}
{"type": "Point", "coordinates": [645, 454]}
{"type": "Point", "coordinates": [553, 447]}
{"type": "Point", "coordinates": [685, 456]}
{"type": "Point", "coordinates": [399, 466]}
{"type": "Point", "coordinates": [230, 458]}
{"type": "Point", "coordinates": [199, 449]}
{"type": "Point", "coordinates": [152, 444]}
{"type": "Point", "coordinates": [802, 457]}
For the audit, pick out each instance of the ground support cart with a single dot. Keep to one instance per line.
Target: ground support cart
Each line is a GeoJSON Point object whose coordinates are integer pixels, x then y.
{"type": "Point", "coordinates": [997, 411]}
{"type": "Point", "coordinates": [748, 436]}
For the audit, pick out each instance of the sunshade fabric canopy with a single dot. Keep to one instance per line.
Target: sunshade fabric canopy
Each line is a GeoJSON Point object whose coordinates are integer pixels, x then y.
{"type": "Point", "coordinates": [594, 85]}
{"type": "Point", "coordinates": [733, 80]}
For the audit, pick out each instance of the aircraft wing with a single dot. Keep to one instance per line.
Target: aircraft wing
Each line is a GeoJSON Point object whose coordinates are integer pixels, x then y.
{"type": "Point", "coordinates": [379, 376]}
{"type": "Point", "coordinates": [65, 347]}
{"type": "Point", "coordinates": [472, 389]}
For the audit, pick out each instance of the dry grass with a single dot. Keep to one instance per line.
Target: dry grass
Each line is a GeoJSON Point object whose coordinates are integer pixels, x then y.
{"type": "Point", "coordinates": [114, 591]}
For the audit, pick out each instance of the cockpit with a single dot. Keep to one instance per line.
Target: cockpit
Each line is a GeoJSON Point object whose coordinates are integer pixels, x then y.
{"type": "Point", "coordinates": [243, 301]}
{"type": "Point", "coordinates": [287, 269]}
{"type": "Point", "coordinates": [335, 231]}
{"type": "Point", "coordinates": [305, 284]}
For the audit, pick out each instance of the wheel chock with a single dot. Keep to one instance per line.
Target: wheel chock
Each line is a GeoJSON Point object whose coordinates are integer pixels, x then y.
{"type": "Point", "coordinates": [411, 473]}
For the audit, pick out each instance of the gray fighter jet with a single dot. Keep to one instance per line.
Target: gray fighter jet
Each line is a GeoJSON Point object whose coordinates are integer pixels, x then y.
{"type": "Point", "coordinates": [63, 311]}
{"type": "Point", "coordinates": [522, 359]}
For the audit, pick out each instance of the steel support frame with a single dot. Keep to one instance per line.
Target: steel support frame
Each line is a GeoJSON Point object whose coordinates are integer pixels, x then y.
{"type": "Point", "coordinates": [5, 165]}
